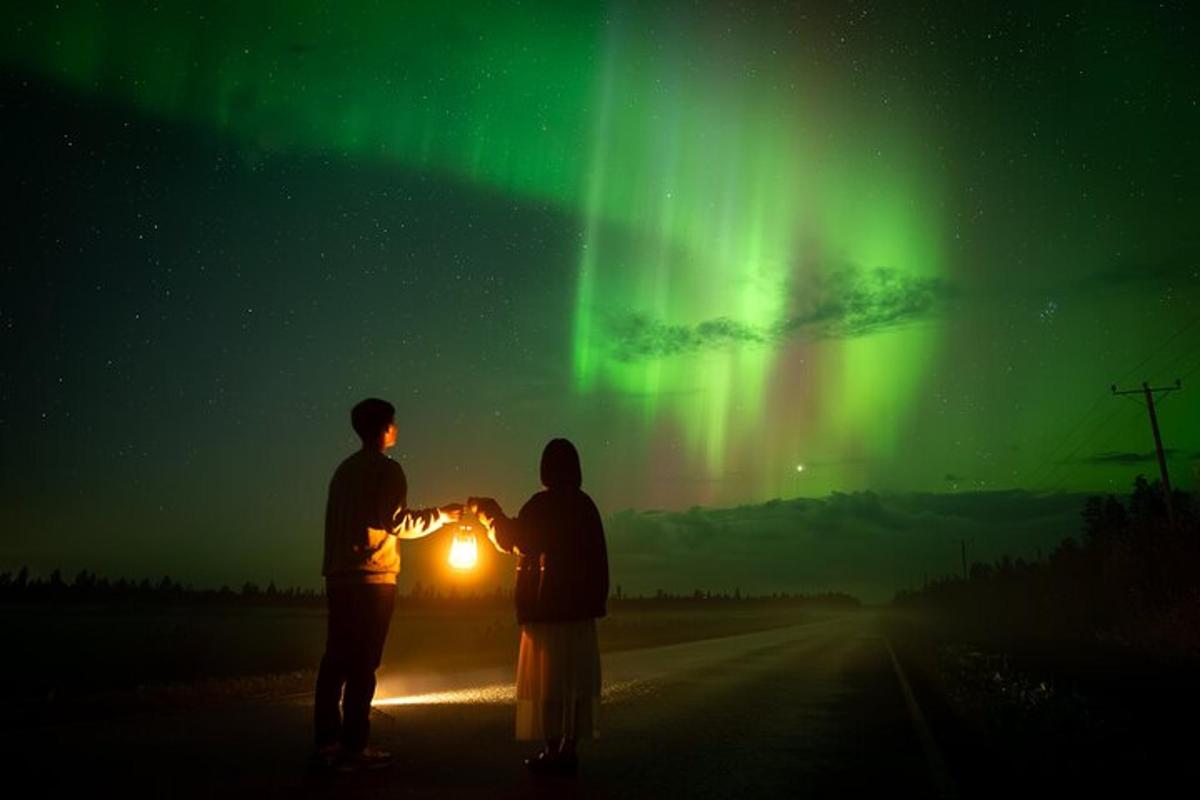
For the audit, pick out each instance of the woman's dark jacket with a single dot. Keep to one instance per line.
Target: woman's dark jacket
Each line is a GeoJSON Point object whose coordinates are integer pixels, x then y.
{"type": "Point", "coordinates": [563, 573]}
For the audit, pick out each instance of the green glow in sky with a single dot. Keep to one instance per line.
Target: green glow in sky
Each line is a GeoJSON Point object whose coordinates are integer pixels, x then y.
{"type": "Point", "coordinates": [718, 188]}
{"type": "Point", "coordinates": [487, 97]}
{"type": "Point", "coordinates": [773, 211]}
{"type": "Point", "coordinates": [720, 205]}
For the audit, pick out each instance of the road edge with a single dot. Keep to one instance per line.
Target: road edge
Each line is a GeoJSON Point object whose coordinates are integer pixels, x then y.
{"type": "Point", "coordinates": [939, 772]}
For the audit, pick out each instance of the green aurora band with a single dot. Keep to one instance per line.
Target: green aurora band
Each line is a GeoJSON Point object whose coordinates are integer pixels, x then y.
{"type": "Point", "coordinates": [759, 253]}
{"type": "Point", "coordinates": [720, 201]}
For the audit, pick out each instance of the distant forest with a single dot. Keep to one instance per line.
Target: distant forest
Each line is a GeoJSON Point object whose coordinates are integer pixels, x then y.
{"type": "Point", "coordinates": [1131, 578]}
{"type": "Point", "coordinates": [89, 588]}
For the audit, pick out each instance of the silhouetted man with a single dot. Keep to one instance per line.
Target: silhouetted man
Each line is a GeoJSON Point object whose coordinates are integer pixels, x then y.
{"type": "Point", "coordinates": [364, 517]}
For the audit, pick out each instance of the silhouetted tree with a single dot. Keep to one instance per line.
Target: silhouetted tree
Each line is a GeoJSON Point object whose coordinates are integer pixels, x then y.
{"type": "Point", "coordinates": [1133, 572]}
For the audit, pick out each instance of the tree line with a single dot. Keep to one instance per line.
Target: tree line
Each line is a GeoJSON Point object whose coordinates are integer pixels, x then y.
{"type": "Point", "coordinates": [1131, 576]}
{"type": "Point", "coordinates": [86, 587]}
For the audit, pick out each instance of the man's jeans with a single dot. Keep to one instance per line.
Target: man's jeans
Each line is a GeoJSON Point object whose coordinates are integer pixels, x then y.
{"type": "Point", "coordinates": [359, 616]}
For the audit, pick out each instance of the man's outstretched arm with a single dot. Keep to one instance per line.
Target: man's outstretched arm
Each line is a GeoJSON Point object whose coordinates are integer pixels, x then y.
{"type": "Point", "coordinates": [417, 523]}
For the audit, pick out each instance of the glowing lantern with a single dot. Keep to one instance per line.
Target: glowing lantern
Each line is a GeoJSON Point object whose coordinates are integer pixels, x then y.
{"type": "Point", "coordinates": [464, 549]}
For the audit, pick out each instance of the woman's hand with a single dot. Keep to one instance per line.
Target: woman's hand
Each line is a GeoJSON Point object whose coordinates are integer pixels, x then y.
{"type": "Point", "coordinates": [485, 507]}
{"type": "Point", "coordinates": [488, 511]}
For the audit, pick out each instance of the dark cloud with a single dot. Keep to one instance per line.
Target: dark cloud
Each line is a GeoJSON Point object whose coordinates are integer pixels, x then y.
{"type": "Point", "coordinates": [1179, 269]}
{"type": "Point", "coordinates": [846, 303]}
{"type": "Point", "coordinates": [637, 336]}
{"type": "Point", "coordinates": [852, 301]}
{"type": "Point", "coordinates": [867, 543]}
{"type": "Point", "coordinates": [1126, 458]}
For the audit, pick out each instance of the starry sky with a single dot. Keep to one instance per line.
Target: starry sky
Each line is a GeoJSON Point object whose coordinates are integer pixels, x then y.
{"type": "Point", "coordinates": [736, 253]}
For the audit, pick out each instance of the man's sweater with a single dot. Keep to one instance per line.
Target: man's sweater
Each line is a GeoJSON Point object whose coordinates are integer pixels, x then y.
{"type": "Point", "coordinates": [365, 516]}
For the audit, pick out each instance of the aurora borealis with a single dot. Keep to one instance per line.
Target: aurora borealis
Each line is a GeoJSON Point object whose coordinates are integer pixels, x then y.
{"type": "Point", "coordinates": [907, 248]}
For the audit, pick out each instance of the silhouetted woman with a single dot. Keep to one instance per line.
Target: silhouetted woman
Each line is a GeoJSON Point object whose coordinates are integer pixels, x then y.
{"type": "Point", "coordinates": [562, 588]}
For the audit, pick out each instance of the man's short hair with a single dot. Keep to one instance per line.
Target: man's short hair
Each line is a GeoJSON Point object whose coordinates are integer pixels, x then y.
{"type": "Point", "coordinates": [372, 417]}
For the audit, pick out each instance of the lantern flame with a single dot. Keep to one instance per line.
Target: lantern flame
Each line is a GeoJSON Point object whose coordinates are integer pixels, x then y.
{"type": "Point", "coordinates": [464, 551]}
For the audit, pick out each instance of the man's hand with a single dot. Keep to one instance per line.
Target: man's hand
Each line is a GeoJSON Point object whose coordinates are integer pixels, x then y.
{"type": "Point", "coordinates": [425, 522]}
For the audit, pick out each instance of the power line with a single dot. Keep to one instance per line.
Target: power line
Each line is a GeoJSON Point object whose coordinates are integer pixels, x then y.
{"type": "Point", "coordinates": [1048, 461]}
{"type": "Point", "coordinates": [1192, 371]}
{"type": "Point", "coordinates": [1182, 357]}
{"type": "Point", "coordinates": [1183, 378]}
{"type": "Point", "coordinates": [1048, 466]}
{"type": "Point", "coordinates": [1064, 464]}
{"type": "Point", "coordinates": [1190, 323]}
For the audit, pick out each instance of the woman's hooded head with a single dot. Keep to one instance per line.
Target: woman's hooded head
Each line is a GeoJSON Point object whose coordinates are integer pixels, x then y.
{"type": "Point", "coordinates": [560, 466]}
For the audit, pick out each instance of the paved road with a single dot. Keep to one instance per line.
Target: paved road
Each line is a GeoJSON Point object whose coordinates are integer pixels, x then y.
{"type": "Point", "coordinates": [807, 711]}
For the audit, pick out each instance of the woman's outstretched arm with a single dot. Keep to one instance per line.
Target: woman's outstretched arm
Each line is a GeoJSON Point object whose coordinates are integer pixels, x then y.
{"type": "Point", "coordinates": [521, 534]}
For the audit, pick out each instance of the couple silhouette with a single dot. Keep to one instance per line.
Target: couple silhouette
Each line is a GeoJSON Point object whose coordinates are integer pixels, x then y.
{"type": "Point", "coordinates": [561, 590]}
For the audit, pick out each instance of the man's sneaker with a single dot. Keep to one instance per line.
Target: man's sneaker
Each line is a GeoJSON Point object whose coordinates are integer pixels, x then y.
{"type": "Point", "coordinates": [325, 757]}
{"type": "Point", "coordinates": [367, 758]}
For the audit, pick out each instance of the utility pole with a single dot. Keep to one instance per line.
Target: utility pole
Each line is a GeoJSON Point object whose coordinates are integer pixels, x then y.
{"type": "Point", "coordinates": [1148, 393]}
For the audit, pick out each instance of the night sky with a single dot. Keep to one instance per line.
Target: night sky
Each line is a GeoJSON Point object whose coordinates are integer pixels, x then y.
{"type": "Point", "coordinates": [906, 247]}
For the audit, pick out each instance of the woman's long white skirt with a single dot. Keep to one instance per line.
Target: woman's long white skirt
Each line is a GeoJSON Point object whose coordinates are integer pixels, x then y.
{"type": "Point", "coordinates": [558, 680]}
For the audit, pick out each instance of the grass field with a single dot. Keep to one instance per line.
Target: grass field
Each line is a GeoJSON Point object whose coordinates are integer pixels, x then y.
{"type": "Point", "coordinates": [63, 654]}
